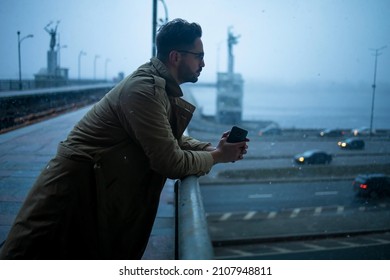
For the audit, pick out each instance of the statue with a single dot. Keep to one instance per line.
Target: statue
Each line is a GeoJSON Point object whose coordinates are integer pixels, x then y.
{"type": "Point", "coordinates": [53, 33]}
{"type": "Point", "coordinates": [232, 40]}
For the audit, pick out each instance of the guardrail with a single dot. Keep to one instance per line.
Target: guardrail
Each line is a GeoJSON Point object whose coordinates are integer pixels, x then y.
{"type": "Point", "coordinates": [192, 237]}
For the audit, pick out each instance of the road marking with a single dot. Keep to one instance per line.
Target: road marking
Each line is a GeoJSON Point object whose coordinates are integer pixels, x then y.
{"type": "Point", "coordinates": [340, 209]}
{"type": "Point", "coordinates": [281, 250]}
{"type": "Point", "coordinates": [295, 212]}
{"type": "Point", "coordinates": [362, 208]}
{"type": "Point", "coordinates": [240, 252]}
{"type": "Point", "coordinates": [326, 193]}
{"type": "Point", "coordinates": [272, 215]}
{"type": "Point", "coordinates": [249, 215]}
{"type": "Point", "coordinates": [313, 246]}
{"type": "Point", "coordinates": [317, 211]}
{"type": "Point", "coordinates": [258, 195]}
{"type": "Point", "coordinates": [225, 216]}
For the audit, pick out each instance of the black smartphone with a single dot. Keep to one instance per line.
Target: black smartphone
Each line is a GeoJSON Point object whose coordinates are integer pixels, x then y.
{"type": "Point", "coordinates": [237, 135]}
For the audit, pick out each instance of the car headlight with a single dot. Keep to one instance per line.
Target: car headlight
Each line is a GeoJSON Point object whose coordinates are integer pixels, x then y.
{"type": "Point", "coordinates": [301, 159]}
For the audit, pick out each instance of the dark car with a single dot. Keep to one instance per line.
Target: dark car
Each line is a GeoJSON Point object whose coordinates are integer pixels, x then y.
{"type": "Point", "coordinates": [313, 157]}
{"type": "Point", "coordinates": [371, 185]}
{"type": "Point", "coordinates": [270, 130]}
{"type": "Point", "coordinates": [352, 144]}
{"type": "Point", "coordinates": [332, 133]}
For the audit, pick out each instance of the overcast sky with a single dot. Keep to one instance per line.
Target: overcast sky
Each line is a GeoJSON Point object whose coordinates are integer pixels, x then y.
{"type": "Point", "coordinates": [280, 40]}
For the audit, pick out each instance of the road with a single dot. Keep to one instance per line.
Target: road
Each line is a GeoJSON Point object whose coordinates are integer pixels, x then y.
{"type": "Point", "coordinates": [308, 218]}
{"type": "Point", "coordinates": [278, 196]}
{"type": "Point", "coordinates": [249, 216]}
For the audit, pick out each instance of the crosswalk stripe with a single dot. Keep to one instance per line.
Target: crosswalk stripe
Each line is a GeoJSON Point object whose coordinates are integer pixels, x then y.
{"type": "Point", "coordinates": [249, 215]}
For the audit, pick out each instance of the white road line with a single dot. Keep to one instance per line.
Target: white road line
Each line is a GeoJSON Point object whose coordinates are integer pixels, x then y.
{"type": "Point", "coordinates": [313, 246]}
{"type": "Point", "coordinates": [271, 215]}
{"type": "Point", "coordinates": [326, 193]}
{"type": "Point", "coordinates": [225, 216]}
{"type": "Point", "coordinates": [249, 215]}
{"type": "Point", "coordinates": [281, 250]}
{"type": "Point", "coordinates": [317, 211]}
{"type": "Point", "coordinates": [258, 195]}
{"type": "Point", "coordinates": [295, 212]}
{"type": "Point", "coordinates": [362, 208]}
{"type": "Point", "coordinates": [340, 209]}
{"type": "Point", "coordinates": [240, 252]}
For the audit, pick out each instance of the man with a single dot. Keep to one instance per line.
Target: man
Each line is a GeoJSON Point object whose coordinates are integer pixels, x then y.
{"type": "Point", "coordinates": [98, 197]}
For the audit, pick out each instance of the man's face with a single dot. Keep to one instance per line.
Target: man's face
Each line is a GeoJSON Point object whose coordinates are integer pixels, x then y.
{"type": "Point", "coordinates": [191, 63]}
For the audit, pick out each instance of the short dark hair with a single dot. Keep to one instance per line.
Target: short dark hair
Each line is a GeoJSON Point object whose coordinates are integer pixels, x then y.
{"type": "Point", "coordinates": [177, 34]}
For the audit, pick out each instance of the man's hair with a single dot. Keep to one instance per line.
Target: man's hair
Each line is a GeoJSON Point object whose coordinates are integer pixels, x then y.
{"type": "Point", "coordinates": [177, 34]}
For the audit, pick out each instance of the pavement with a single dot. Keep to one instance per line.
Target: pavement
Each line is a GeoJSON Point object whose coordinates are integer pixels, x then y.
{"type": "Point", "coordinates": [25, 151]}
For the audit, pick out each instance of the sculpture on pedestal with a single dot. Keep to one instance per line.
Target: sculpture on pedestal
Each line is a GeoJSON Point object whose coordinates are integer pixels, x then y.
{"type": "Point", "coordinates": [53, 33]}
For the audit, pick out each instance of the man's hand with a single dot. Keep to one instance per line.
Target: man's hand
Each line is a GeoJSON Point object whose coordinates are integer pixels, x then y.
{"type": "Point", "coordinates": [229, 152]}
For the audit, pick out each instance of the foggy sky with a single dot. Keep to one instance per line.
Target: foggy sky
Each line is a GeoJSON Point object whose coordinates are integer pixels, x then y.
{"type": "Point", "coordinates": [281, 41]}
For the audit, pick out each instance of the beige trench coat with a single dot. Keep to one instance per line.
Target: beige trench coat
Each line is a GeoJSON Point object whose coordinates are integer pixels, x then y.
{"type": "Point", "coordinates": [98, 197]}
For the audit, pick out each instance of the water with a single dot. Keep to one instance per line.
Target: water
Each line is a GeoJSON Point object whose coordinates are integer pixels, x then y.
{"type": "Point", "coordinates": [347, 109]}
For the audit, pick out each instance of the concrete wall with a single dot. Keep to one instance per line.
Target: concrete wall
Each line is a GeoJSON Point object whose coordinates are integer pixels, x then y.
{"type": "Point", "coordinates": [24, 107]}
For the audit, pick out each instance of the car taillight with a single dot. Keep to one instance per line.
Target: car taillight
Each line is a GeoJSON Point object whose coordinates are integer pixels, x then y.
{"type": "Point", "coordinates": [363, 186]}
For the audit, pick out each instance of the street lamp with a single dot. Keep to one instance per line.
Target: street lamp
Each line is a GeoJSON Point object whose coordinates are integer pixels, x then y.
{"type": "Point", "coordinates": [80, 54]}
{"type": "Point", "coordinates": [165, 20]}
{"type": "Point", "coordinates": [105, 68]}
{"type": "Point", "coordinates": [94, 66]}
{"type": "Point", "coordinates": [374, 85]}
{"type": "Point", "coordinates": [19, 56]}
{"type": "Point", "coordinates": [154, 23]}
{"type": "Point", "coordinates": [59, 47]}
{"type": "Point", "coordinates": [59, 56]}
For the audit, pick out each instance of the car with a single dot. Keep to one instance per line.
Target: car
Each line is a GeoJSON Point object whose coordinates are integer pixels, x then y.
{"type": "Point", "coordinates": [362, 131]}
{"type": "Point", "coordinates": [332, 133]}
{"type": "Point", "coordinates": [351, 144]}
{"type": "Point", "coordinates": [270, 130]}
{"type": "Point", "coordinates": [371, 185]}
{"type": "Point", "coordinates": [313, 157]}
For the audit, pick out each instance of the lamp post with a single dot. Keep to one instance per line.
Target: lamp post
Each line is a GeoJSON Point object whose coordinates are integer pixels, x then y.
{"type": "Point", "coordinates": [80, 54]}
{"type": "Point", "coordinates": [374, 85]}
{"type": "Point", "coordinates": [59, 47]}
{"type": "Point", "coordinates": [19, 57]}
{"type": "Point", "coordinates": [154, 23]}
{"type": "Point", "coordinates": [105, 68]}
{"type": "Point", "coordinates": [94, 66]}
{"type": "Point", "coordinates": [59, 56]}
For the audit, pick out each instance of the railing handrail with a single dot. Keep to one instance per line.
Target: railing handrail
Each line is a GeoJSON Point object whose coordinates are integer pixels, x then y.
{"type": "Point", "coordinates": [192, 237]}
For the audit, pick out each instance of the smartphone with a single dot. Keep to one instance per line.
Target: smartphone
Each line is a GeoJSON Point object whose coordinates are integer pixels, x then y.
{"type": "Point", "coordinates": [237, 135]}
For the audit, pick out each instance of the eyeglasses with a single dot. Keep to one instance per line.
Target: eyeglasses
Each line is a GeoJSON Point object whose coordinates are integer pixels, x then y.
{"type": "Point", "coordinates": [199, 55]}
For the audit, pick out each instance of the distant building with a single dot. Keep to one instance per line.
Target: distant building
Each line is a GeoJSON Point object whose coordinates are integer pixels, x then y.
{"type": "Point", "coordinates": [229, 98]}
{"type": "Point", "coordinates": [229, 90]}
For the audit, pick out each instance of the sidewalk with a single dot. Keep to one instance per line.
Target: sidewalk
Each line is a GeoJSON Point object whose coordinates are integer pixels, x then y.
{"type": "Point", "coordinates": [25, 151]}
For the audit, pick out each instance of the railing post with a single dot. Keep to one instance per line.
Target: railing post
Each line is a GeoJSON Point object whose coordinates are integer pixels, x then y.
{"type": "Point", "coordinates": [192, 240]}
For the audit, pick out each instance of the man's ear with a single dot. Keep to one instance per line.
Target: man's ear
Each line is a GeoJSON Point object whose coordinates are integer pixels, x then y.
{"type": "Point", "coordinates": [174, 57]}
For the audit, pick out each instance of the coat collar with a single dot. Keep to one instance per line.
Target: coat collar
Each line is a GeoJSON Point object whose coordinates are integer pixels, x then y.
{"type": "Point", "coordinates": [172, 87]}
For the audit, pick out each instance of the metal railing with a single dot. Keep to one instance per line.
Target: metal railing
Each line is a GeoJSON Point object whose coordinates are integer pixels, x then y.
{"type": "Point", "coordinates": [192, 237]}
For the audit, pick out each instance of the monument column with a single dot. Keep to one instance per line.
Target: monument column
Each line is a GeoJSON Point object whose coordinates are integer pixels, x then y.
{"type": "Point", "coordinates": [52, 63]}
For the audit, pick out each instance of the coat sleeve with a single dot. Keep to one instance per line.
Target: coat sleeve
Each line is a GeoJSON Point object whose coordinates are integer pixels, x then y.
{"type": "Point", "coordinates": [145, 109]}
{"type": "Point", "coordinates": [189, 143]}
